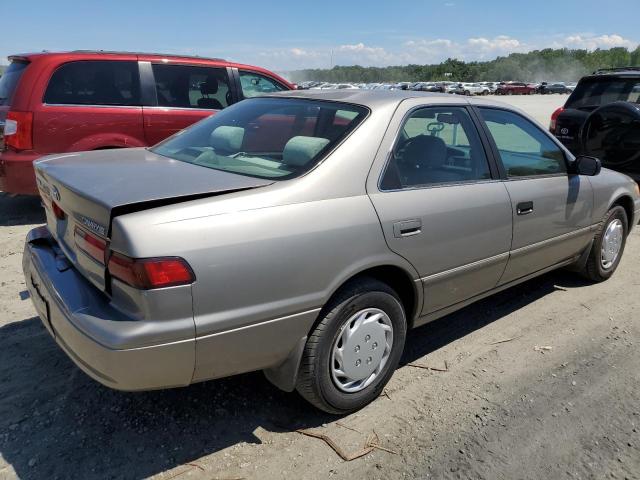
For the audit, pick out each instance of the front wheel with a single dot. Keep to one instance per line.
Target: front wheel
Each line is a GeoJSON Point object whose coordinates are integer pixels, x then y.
{"type": "Point", "coordinates": [354, 350]}
{"type": "Point", "coordinates": [608, 246]}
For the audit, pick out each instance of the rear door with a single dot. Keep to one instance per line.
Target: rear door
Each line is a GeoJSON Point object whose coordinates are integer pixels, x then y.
{"type": "Point", "coordinates": [178, 95]}
{"type": "Point", "coordinates": [551, 208]}
{"type": "Point", "coordinates": [90, 104]}
{"type": "Point", "coordinates": [440, 204]}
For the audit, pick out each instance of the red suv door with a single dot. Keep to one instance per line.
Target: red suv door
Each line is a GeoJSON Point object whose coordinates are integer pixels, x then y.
{"type": "Point", "coordinates": [178, 95]}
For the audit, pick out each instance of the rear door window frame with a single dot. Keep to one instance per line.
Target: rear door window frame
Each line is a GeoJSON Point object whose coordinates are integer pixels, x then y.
{"type": "Point", "coordinates": [495, 166]}
{"type": "Point", "coordinates": [149, 93]}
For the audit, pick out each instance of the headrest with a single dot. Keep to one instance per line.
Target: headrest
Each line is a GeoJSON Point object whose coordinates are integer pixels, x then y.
{"type": "Point", "coordinates": [300, 150]}
{"type": "Point", "coordinates": [209, 86]}
{"type": "Point", "coordinates": [227, 138]}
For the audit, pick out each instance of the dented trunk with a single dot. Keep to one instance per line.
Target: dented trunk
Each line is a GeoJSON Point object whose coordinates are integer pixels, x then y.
{"type": "Point", "coordinates": [91, 188]}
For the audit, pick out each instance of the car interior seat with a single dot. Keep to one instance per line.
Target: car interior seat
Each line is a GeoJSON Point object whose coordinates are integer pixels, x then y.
{"type": "Point", "coordinates": [209, 87]}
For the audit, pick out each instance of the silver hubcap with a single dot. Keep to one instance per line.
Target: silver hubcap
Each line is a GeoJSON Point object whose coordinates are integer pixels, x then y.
{"type": "Point", "coordinates": [361, 350]}
{"type": "Point", "coordinates": [611, 243]}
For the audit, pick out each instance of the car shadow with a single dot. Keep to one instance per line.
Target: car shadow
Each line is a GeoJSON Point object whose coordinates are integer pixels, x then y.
{"type": "Point", "coordinates": [20, 210]}
{"type": "Point", "coordinates": [57, 422]}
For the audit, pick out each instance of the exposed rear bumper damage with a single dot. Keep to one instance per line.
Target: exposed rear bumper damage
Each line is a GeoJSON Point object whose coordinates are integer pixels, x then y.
{"type": "Point", "coordinates": [70, 308]}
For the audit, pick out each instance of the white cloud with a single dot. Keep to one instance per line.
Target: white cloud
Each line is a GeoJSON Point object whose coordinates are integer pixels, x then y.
{"type": "Point", "coordinates": [591, 42]}
{"type": "Point", "coordinates": [422, 50]}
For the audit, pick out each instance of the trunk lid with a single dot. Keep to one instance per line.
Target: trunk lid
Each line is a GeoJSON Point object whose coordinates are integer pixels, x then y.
{"type": "Point", "coordinates": [94, 187]}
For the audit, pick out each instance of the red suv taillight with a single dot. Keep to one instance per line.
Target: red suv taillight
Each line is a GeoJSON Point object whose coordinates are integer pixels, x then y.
{"type": "Point", "coordinates": [148, 273]}
{"type": "Point", "coordinates": [91, 245]}
{"type": "Point", "coordinates": [554, 119]}
{"type": "Point", "coordinates": [18, 130]}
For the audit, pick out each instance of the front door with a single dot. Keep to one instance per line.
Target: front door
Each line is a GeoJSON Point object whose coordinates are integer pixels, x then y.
{"type": "Point", "coordinates": [551, 208]}
{"type": "Point", "coordinates": [441, 208]}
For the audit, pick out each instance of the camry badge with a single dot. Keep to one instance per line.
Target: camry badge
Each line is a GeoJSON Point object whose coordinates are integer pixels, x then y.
{"type": "Point", "coordinates": [93, 225]}
{"type": "Point", "coordinates": [55, 193]}
{"type": "Point", "coordinates": [564, 131]}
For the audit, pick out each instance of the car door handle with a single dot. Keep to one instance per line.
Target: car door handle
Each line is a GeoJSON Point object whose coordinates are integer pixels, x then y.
{"type": "Point", "coordinates": [407, 228]}
{"type": "Point", "coordinates": [524, 208]}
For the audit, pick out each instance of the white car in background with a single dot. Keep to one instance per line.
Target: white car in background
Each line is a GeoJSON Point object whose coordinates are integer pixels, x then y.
{"type": "Point", "coordinates": [474, 89]}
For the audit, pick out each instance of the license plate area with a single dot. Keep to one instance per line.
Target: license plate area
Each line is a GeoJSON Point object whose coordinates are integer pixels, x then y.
{"type": "Point", "coordinates": [40, 302]}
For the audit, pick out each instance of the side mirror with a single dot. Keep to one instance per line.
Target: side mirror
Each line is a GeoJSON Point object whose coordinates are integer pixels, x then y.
{"type": "Point", "coordinates": [584, 165]}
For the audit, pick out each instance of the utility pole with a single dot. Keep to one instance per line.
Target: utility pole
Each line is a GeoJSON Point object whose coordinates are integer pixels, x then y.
{"type": "Point", "coordinates": [331, 59]}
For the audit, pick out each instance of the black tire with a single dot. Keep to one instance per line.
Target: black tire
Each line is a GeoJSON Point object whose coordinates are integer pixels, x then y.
{"type": "Point", "coordinates": [594, 269]}
{"type": "Point", "coordinates": [315, 383]}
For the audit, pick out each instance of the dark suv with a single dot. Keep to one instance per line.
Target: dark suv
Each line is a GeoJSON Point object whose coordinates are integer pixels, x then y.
{"type": "Point", "coordinates": [602, 118]}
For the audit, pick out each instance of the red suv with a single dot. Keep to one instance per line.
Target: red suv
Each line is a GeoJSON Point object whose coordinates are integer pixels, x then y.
{"type": "Point", "coordinates": [90, 100]}
{"type": "Point", "coordinates": [515, 88]}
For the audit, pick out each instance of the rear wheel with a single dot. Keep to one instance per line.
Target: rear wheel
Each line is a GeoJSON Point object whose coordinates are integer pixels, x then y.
{"type": "Point", "coordinates": [608, 246]}
{"type": "Point", "coordinates": [352, 353]}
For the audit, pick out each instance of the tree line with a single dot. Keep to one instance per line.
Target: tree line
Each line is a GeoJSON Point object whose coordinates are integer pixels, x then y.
{"type": "Point", "coordinates": [562, 65]}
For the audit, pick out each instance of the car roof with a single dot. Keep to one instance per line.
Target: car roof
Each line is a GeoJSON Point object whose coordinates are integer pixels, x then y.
{"type": "Point", "coordinates": [379, 98]}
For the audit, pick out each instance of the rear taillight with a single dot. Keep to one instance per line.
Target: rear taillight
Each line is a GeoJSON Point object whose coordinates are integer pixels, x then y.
{"type": "Point", "coordinates": [148, 273]}
{"type": "Point", "coordinates": [18, 130]}
{"type": "Point", "coordinates": [554, 119]}
{"type": "Point", "coordinates": [90, 244]}
{"type": "Point", "coordinates": [57, 211]}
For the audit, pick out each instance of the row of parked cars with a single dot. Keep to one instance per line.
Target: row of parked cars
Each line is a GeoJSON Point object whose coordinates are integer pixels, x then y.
{"type": "Point", "coordinates": [460, 88]}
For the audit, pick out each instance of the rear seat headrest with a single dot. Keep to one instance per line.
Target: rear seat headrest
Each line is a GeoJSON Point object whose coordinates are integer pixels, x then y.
{"type": "Point", "coordinates": [300, 150]}
{"type": "Point", "coordinates": [227, 138]}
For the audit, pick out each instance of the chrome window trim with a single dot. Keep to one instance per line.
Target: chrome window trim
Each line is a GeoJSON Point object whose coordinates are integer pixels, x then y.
{"type": "Point", "coordinates": [89, 105]}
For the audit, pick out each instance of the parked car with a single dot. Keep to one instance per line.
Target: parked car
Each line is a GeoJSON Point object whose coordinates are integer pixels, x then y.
{"type": "Point", "coordinates": [474, 89]}
{"type": "Point", "coordinates": [454, 88]}
{"type": "Point", "coordinates": [602, 117]}
{"type": "Point", "coordinates": [551, 88]}
{"type": "Point", "coordinates": [302, 235]}
{"type": "Point", "coordinates": [515, 88]}
{"type": "Point", "coordinates": [86, 100]}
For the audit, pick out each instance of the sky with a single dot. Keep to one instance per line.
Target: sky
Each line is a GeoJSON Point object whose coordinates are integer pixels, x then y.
{"type": "Point", "coordinates": [286, 35]}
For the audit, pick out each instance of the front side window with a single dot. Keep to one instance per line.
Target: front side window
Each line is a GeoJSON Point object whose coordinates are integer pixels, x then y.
{"type": "Point", "coordinates": [254, 84]}
{"type": "Point", "coordinates": [95, 83]}
{"type": "Point", "coordinates": [436, 145]}
{"type": "Point", "coordinates": [186, 86]}
{"type": "Point", "coordinates": [524, 149]}
{"type": "Point", "coordinates": [278, 138]}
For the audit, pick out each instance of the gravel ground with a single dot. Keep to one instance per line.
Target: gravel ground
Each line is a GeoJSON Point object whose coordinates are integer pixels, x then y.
{"type": "Point", "coordinates": [540, 381]}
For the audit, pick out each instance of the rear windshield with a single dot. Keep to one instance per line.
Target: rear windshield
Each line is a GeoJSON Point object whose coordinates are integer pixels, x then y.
{"type": "Point", "coordinates": [273, 138]}
{"type": "Point", "coordinates": [9, 81]}
{"type": "Point", "coordinates": [594, 92]}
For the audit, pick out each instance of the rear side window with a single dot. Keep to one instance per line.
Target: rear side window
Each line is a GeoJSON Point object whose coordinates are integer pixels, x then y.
{"type": "Point", "coordinates": [184, 86]}
{"type": "Point", "coordinates": [524, 149]}
{"type": "Point", "coordinates": [593, 93]}
{"type": "Point", "coordinates": [9, 81]}
{"type": "Point", "coordinates": [254, 84]}
{"type": "Point", "coordinates": [436, 145]}
{"type": "Point", "coordinates": [95, 83]}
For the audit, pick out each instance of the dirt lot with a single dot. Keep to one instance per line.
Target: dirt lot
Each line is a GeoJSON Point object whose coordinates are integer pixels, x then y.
{"type": "Point", "coordinates": [540, 381]}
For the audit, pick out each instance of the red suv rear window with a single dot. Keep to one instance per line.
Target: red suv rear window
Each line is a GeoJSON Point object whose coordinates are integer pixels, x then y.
{"type": "Point", "coordinates": [9, 81]}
